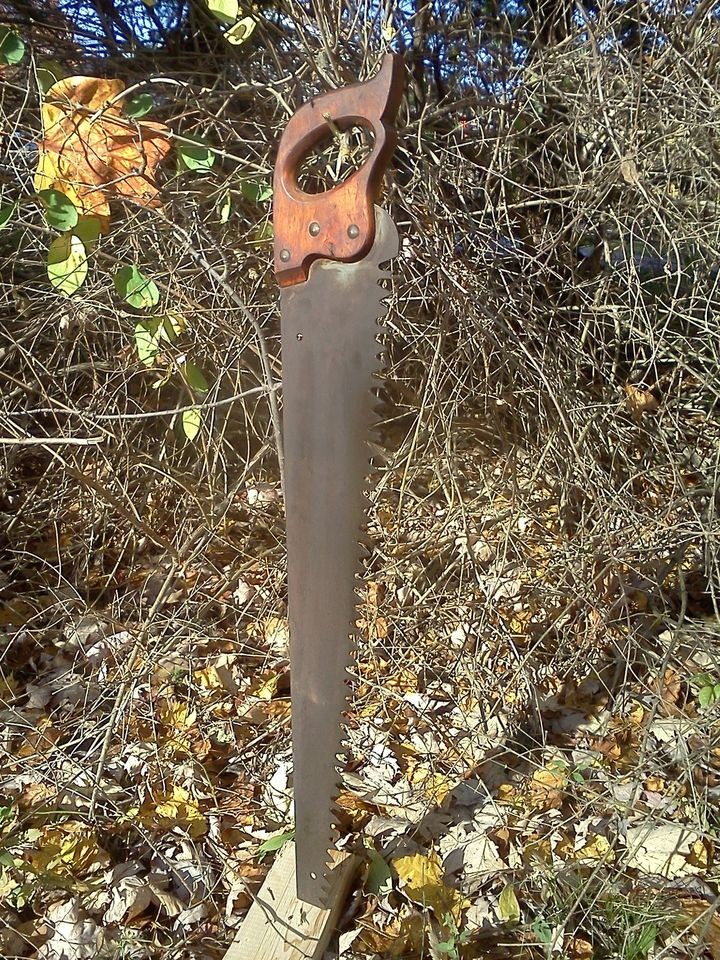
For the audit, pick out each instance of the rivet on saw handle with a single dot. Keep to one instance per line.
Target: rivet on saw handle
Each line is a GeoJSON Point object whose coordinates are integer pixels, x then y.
{"type": "Point", "coordinates": [340, 223]}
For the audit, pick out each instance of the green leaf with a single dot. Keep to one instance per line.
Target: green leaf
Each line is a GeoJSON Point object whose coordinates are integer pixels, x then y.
{"type": "Point", "coordinates": [541, 929]}
{"type": "Point", "coordinates": [6, 213]}
{"type": "Point", "coordinates": [60, 211]}
{"type": "Point", "coordinates": [147, 339]}
{"type": "Point", "coordinates": [191, 422]}
{"type": "Point", "coordinates": [256, 190]}
{"type": "Point", "coordinates": [139, 106]}
{"type": "Point", "coordinates": [379, 878]}
{"type": "Point", "coordinates": [226, 209]}
{"type": "Point", "coordinates": [706, 696]}
{"type": "Point", "coordinates": [195, 154]}
{"type": "Point", "coordinates": [135, 288]}
{"type": "Point", "coordinates": [48, 73]}
{"type": "Point", "coordinates": [275, 843]}
{"type": "Point", "coordinates": [194, 377]}
{"type": "Point", "coordinates": [12, 48]}
{"type": "Point", "coordinates": [240, 32]}
{"type": "Point", "coordinates": [508, 905]}
{"type": "Point", "coordinates": [88, 229]}
{"type": "Point", "coordinates": [225, 10]}
{"type": "Point", "coordinates": [173, 325]}
{"type": "Point", "coordinates": [67, 265]}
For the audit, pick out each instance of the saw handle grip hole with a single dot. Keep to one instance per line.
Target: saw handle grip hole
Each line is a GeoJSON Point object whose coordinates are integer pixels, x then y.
{"type": "Point", "coordinates": [334, 158]}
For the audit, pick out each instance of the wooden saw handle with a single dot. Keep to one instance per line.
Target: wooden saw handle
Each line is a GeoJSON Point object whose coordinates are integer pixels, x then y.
{"type": "Point", "coordinates": [340, 223]}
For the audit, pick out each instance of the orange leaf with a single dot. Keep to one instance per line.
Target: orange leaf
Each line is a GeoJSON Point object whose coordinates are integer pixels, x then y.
{"type": "Point", "coordinates": [91, 153]}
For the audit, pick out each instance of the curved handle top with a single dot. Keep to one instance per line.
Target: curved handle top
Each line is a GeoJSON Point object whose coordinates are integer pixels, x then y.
{"type": "Point", "coordinates": [340, 223]}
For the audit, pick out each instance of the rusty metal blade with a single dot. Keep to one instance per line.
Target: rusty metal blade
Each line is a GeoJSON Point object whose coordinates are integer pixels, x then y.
{"type": "Point", "coordinates": [330, 358]}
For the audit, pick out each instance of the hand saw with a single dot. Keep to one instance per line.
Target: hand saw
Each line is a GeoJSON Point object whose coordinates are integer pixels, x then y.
{"type": "Point", "coordinates": [329, 248]}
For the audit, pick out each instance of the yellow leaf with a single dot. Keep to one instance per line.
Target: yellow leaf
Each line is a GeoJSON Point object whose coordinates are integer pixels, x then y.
{"type": "Point", "coordinates": [435, 786]}
{"type": "Point", "coordinates": [547, 786]}
{"type": "Point", "coordinates": [177, 715]}
{"type": "Point", "coordinates": [579, 949]}
{"type": "Point", "coordinates": [698, 855]}
{"type": "Point", "coordinates": [93, 93]}
{"type": "Point", "coordinates": [508, 905]}
{"type": "Point", "coordinates": [277, 632]}
{"type": "Point", "coordinates": [240, 32]}
{"type": "Point", "coordinates": [67, 264]}
{"type": "Point", "coordinates": [191, 422]}
{"type": "Point", "coordinates": [91, 152]}
{"type": "Point", "coordinates": [174, 808]}
{"type": "Point", "coordinates": [655, 784]}
{"type": "Point", "coordinates": [226, 11]}
{"type": "Point", "coordinates": [421, 878]}
{"type": "Point", "coordinates": [264, 687]}
{"type": "Point", "coordinates": [597, 848]}
{"type": "Point", "coordinates": [209, 678]}
{"type": "Point", "coordinates": [70, 849]}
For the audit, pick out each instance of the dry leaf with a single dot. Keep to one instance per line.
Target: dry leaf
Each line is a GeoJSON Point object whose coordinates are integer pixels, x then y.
{"type": "Point", "coordinates": [400, 937]}
{"type": "Point", "coordinates": [131, 896]}
{"type": "Point", "coordinates": [597, 847]}
{"type": "Point", "coordinates": [579, 949]}
{"type": "Point", "coordinates": [421, 878]}
{"type": "Point", "coordinates": [639, 401]}
{"type": "Point", "coordinates": [547, 787]}
{"type": "Point", "coordinates": [628, 171]}
{"type": "Point", "coordinates": [215, 679]}
{"type": "Point", "coordinates": [40, 741]}
{"type": "Point", "coordinates": [69, 849]}
{"type": "Point", "coordinates": [173, 808]}
{"type": "Point", "coordinates": [434, 786]}
{"type": "Point", "coordinates": [74, 935]}
{"type": "Point", "coordinates": [661, 849]}
{"type": "Point", "coordinates": [705, 922]}
{"type": "Point", "coordinates": [92, 153]}
{"type": "Point", "coordinates": [276, 633]}
{"type": "Point", "coordinates": [176, 715]}
{"type": "Point", "coordinates": [264, 687]}
{"type": "Point", "coordinates": [171, 904]}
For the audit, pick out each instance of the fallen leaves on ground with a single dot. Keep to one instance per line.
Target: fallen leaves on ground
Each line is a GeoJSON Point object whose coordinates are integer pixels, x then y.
{"type": "Point", "coordinates": [174, 808]}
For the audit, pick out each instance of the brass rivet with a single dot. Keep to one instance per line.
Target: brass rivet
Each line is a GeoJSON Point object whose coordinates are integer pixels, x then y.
{"type": "Point", "coordinates": [353, 231]}
{"type": "Point", "coordinates": [314, 229]}
{"type": "Point", "coordinates": [284, 255]}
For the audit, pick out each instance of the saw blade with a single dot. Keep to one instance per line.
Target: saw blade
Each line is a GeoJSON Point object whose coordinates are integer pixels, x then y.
{"type": "Point", "coordinates": [330, 354]}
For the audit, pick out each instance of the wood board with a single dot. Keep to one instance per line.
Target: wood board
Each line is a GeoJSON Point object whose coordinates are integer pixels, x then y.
{"type": "Point", "coordinates": [281, 927]}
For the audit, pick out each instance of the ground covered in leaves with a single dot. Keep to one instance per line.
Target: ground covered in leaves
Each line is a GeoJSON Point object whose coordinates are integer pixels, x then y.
{"type": "Point", "coordinates": [513, 787]}
{"type": "Point", "coordinates": [533, 745]}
